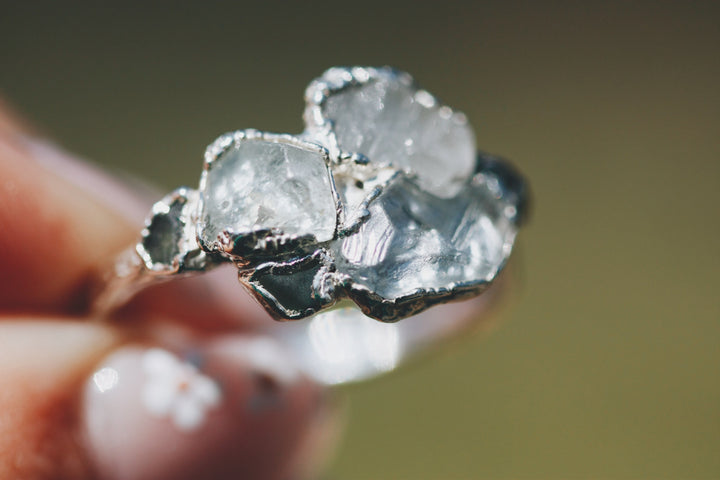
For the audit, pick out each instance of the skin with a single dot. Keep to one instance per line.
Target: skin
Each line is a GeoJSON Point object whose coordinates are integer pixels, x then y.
{"type": "Point", "coordinates": [57, 236]}
{"type": "Point", "coordinates": [60, 223]}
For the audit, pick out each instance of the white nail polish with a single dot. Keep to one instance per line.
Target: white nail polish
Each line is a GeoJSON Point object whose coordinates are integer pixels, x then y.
{"type": "Point", "coordinates": [181, 413]}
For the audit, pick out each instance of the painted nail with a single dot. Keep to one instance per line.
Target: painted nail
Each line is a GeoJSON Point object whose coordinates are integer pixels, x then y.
{"type": "Point", "coordinates": [219, 410]}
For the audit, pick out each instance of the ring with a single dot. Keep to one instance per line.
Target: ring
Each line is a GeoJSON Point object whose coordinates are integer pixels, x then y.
{"type": "Point", "coordinates": [383, 203]}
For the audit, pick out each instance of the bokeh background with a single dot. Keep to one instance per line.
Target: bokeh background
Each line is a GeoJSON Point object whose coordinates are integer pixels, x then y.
{"type": "Point", "coordinates": [606, 361]}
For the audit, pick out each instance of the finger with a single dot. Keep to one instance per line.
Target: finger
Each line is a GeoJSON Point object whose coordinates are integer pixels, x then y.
{"type": "Point", "coordinates": [62, 223]}
{"type": "Point", "coordinates": [42, 365]}
{"type": "Point", "coordinates": [225, 407]}
{"type": "Point", "coordinates": [52, 232]}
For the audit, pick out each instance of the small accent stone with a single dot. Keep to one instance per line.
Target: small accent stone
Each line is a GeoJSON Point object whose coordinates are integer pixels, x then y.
{"type": "Point", "coordinates": [169, 243]}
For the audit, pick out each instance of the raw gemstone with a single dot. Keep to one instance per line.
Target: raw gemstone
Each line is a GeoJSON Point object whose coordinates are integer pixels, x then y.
{"type": "Point", "coordinates": [161, 243]}
{"type": "Point", "coordinates": [414, 242]}
{"type": "Point", "coordinates": [169, 244]}
{"type": "Point", "coordinates": [263, 184]}
{"type": "Point", "coordinates": [390, 122]}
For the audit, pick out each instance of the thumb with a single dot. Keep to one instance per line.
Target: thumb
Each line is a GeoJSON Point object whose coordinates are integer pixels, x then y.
{"type": "Point", "coordinates": [60, 419]}
{"type": "Point", "coordinates": [42, 364]}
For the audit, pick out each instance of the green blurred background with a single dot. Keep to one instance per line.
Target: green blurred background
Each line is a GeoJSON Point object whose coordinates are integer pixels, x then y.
{"type": "Point", "coordinates": [606, 363]}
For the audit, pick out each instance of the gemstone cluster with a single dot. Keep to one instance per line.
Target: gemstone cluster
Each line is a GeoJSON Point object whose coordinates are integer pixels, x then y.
{"type": "Point", "coordinates": [382, 200]}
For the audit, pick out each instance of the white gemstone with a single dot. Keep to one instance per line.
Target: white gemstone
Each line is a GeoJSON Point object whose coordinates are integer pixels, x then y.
{"type": "Point", "coordinates": [260, 183]}
{"type": "Point", "coordinates": [390, 122]}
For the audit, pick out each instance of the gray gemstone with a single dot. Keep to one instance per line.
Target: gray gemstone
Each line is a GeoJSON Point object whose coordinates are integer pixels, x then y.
{"type": "Point", "coordinates": [293, 289]}
{"type": "Point", "coordinates": [267, 186]}
{"type": "Point", "coordinates": [415, 243]}
{"type": "Point", "coordinates": [390, 122]}
{"type": "Point", "coordinates": [169, 242]}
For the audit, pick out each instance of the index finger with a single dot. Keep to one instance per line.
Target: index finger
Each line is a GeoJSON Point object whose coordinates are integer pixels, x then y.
{"type": "Point", "coordinates": [62, 223]}
{"type": "Point", "coordinates": [52, 233]}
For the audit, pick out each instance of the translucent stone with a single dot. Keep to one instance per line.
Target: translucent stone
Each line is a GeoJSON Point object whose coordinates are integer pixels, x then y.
{"type": "Point", "coordinates": [413, 242]}
{"type": "Point", "coordinates": [293, 289]}
{"type": "Point", "coordinates": [390, 122]}
{"type": "Point", "coordinates": [263, 185]}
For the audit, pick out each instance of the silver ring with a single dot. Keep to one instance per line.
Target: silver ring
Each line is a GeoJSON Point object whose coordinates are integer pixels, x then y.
{"type": "Point", "coordinates": [383, 205]}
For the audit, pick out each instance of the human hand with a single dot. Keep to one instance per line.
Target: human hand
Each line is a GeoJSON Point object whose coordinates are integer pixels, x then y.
{"type": "Point", "coordinates": [183, 385]}
{"type": "Point", "coordinates": [185, 382]}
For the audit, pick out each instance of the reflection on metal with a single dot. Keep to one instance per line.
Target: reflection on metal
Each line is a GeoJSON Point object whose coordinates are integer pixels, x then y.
{"type": "Point", "coordinates": [343, 345]}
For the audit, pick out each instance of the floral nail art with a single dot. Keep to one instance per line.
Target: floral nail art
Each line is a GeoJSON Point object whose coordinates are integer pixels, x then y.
{"type": "Point", "coordinates": [177, 390]}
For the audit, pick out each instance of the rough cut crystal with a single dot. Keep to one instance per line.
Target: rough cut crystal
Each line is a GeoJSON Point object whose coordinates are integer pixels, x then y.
{"type": "Point", "coordinates": [413, 242]}
{"type": "Point", "coordinates": [390, 122]}
{"type": "Point", "coordinates": [169, 242]}
{"type": "Point", "coordinates": [258, 184]}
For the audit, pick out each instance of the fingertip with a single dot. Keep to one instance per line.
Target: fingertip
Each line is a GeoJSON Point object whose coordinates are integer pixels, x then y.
{"type": "Point", "coordinates": [220, 407]}
{"type": "Point", "coordinates": [42, 364]}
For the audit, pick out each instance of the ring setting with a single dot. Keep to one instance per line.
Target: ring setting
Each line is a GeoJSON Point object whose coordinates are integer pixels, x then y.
{"type": "Point", "coordinates": [383, 202]}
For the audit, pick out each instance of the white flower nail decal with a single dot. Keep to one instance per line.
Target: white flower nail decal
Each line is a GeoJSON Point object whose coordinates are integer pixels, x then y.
{"type": "Point", "coordinates": [266, 356]}
{"type": "Point", "coordinates": [177, 390]}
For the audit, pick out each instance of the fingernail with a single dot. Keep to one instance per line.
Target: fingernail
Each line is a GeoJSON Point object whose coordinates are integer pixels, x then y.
{"type": "Point", "coordinates": [221, 409]}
